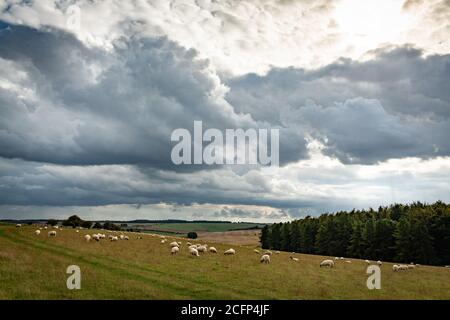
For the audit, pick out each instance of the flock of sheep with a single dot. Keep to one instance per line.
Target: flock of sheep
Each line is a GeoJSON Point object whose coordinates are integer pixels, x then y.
{"type": "Point", "coordinates": [196, 249]}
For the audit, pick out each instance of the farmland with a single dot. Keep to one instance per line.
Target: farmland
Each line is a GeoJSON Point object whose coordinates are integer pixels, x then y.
{"type": "Point", "coordinates": [34, 267]}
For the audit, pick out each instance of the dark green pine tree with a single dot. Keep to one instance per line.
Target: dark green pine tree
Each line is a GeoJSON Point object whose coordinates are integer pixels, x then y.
{"type": "Point", "coordinates": [356, 246]}
{"type": "Point", "coordinates": [265, 237]}
{"type": "Point", "coordinates": [403, 240]}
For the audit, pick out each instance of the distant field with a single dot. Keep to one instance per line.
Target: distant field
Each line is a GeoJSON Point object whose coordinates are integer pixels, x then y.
{"type": "Point", "coordinates": [197, 226]}
{"type": "Point", "coordinates": [34, 267]}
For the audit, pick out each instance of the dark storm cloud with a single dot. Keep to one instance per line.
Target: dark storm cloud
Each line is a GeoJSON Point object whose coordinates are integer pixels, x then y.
{"type": "Point", "coordinates": [65, 103]}
{"type": "Point", "coordinates": [393, 106]}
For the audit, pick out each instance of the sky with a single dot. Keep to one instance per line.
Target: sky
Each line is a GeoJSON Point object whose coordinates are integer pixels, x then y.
{"type": "Point", "coordinates": [90, 92]}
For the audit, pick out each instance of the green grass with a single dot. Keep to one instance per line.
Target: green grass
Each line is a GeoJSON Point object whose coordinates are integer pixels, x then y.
{"type": "Point", "coordinates": [199, 226]}
{"type": "Point", "coordinates": [33, 267]}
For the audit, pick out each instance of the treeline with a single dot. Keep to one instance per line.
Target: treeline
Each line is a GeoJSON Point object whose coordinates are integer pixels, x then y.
{"type": "Point", "coordinates": [75, 222]}
{"type": "Point", "coordinates": [418, 233]}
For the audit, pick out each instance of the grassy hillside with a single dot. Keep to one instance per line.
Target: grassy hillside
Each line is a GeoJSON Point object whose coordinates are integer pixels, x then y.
{"type": "Point", "coordinates": [33, 267]}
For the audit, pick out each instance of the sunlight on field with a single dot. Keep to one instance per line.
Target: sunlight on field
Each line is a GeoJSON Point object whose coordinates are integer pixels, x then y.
{"type": "Point", "coordinates": [34, 267]}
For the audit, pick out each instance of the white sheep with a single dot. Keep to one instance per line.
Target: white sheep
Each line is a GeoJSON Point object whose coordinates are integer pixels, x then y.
{"type": "Point", "coordinates": [367, 261]}
{"type": "Point", "coordinates": [126, 238]}
{"type": "Point", "coordinates": [293, 259]}
{"type": "Point", "coordinates": [336, 258]}
{"type": "Point", "coordinates": [45, 227]}
{"type": "Point", "coordinates": [52, 233]}
{"type": "Point", "coordinates": [230, 251]}
{"type": "Point", "coordinates": [379, 263]}
{"type": "Point", "coordinates": [212, 250]}
{"type": "Point", "coordinates": [77, 231]}
{"type": "Point", "coordinates": [348, 261]}
{"type": "Point", "coordinates": [193, 252]}
{"type": "Point", "coordinates": [265, 258]}
{"type": "Point", "coordinates": [114, 238]}
{"type": "Point", "coordinates": [327, 263]}
{"type": "Point", "coordinates": [411, 266]}
{"type": "Point", "coordinates": [174, 244]}
{"type": "Point", "coordinates": [202, 249]}
{"type": "Point", "coordinates": [179, 243]}
{"type": "Point", "coordinates": [96, 237]}
{"type": "Point", "coordinates": [277, 252]}
{"type": "Point", "coordinates": [87, 238]}
{"type": "Point", "coordinates": [256, 251]}
{"type": "Point", "coordinates": [341, 258]}
{"type": "Point", "coordinates": [37, 232]}
{"type": "Point", "coordinates": [18, 225]}
{"type": "Point", "coordinates": [121, 237]}
{"type": "Point", "coordinates": [188, 244]}
{"type": "Point", "coordinates": [163, 241]}
{"type": "Point", "coordinates": [403, 267]}
{"type": "Point", "coordinates": [395, 267]}
{"type": "Point", "coordinates": [268, 252]}
{"type": "Point", "coordinates": [174, 250]}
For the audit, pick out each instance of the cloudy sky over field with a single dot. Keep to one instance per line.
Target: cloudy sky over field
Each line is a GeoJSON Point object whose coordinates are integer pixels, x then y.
{"type": "Point", "coordinates": [360, 91]}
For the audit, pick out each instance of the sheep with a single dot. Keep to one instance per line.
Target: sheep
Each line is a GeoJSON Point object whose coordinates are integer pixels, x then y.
{"type": "Point", "coordinates": [341, 258]}
{"type": "Point", "coordinates": [202, 249]}
{"type": "Point", "coordinates": [256, 251]}
{"type": "Point", "coordinates": [379, 263]}
{"type": "Point", "coordinates": [293, 259]}
{"type": "Point", "coordinates": [230, 251]}
{"type": "Point", "coordinates": [411, 266]}
{"type": "Point", "coordinates": [188, 244]}
{"type": "Point", "coordinates": [114, 238]}
{"type": "Point", "coordinates": [192, 246]}
{"type": "Point", "coordinates": [77, 231]}
{"type": "Point", "coordinates": [327, 263]}
{"type": "Point", "coordinates": [277, 252]}
{"type": "Point", "coordinates": [268, 252]}
{"type": "Point", "coordinates": [52, 233]}
{"type": "Point", "coordinates": [121, 237]}
{"type": "Point", "coordinates": [96, 237]}
{"type": "Point", "coordinates": [265, 258]}
{"type": "Point", "coordinates": [126, 238]}
{"type": "Point", "coordinates": [336, 258]}
{"type": "Point", "coordinates": [87, 238]}
{"type": "Point", "coordinates": [193, 252]}
{"type": "Point", "coordinates": [179, 243]}
{"type": "Point", "coordinates": [18, 225]}
{"type": "Point", "coordinates": [174, 250]}
{"type": "Point", "coordinates": [403, 267]}
{"type": "Point", "coordinates": [37, 232]}
{"type": "Point", "coordinates": [395, 268]}
{"type": "Point", "coordinates": [213, 250]}
{"type": "Point", "coordinates": [45, 227]}
{"type": "Point", "coordinates": [348, 261]}
{"type": "Point", "coordinates": [174, 244]}
{"type": "Point", "coordinates": [163, 241]}
{"type": "Point", "coordinates": [367, 261]}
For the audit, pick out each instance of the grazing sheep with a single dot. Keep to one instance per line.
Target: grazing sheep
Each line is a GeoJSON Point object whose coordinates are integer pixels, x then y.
{"type": "Point", "coordinates": [193, 246]}
{"type": "Point", "coordinates": [77, 231]}
{"type": "Point", "coordinates": [268, 252]}
{"type": "Point", "coordinates": [341, 258]}
{"type": "Point", "coordinates": [174, 244]}
{"type": "Point", "coordinates": [348, 261]}
{"type": "Point", "coordinates": [87, 238]}
{"type": "Point", "coordinates": [256, 251]}
{"type": "Point", "coordinates": [202, 249]}
{"type": "Point", "coordinates": [45, 227]}
{"type": "Point", "coordinates": [230, 251]}
{"type": "Point", "coordinates": [179, 243]}
{"type": "Point", "coordinates": [96, 237]}
{"type": "Point", "coordinates": [114, 238]}
{"type": "Point", "coordinates": [126, 238]}
{"type": "Point", "coordinates": [293, 259]}
{"type": "Point", "coordinates": [188, 244]}
{"type": "Point", "coordinates": [277, 252]}
{"type": "Point", "coordinates": [174, 250]}
{"type": "Point", "coordinates": [37, 232]}
{"type": "Point", "coordinates": [52, 233]}
{"type": "Point", "coordinates": [395, 267]}
{"type": "Point", "coordinates": [265, 258]}
{"type": "Point", "coordinates": [18, 225]}
{"type": "Point", "coordinates": [336, 258]}
{"type": "Point", "coordinates": [213, 250]}
{"type": "Point", "coordinates": [403, 267]}
{"type": "Point", "coordinates": [447, 266]}
{"type": "Point", "coordinates": [121, 237]}
{"type": "Point", "coordinates": [193, 252]}
{"type": "Point", "coordinates": [163, 241]}
{"type": "Point", "coordinates": [327, 263]}
{"type": "Point", "coordinates": [411, 266]}
{"type": "Point", "coordinates": [367, 261]}
{"type": "Point", "coordinates": [379, 263]}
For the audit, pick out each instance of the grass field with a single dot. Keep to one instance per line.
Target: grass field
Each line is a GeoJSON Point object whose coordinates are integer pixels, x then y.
{"type": "Point", "coordinates": [198, 226]}
{"type": "Point", "coordinates": [34, 267]}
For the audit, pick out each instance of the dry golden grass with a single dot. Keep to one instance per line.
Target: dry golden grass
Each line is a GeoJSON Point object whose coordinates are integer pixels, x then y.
{"type": "Point", "coordinates": [34, 267]}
